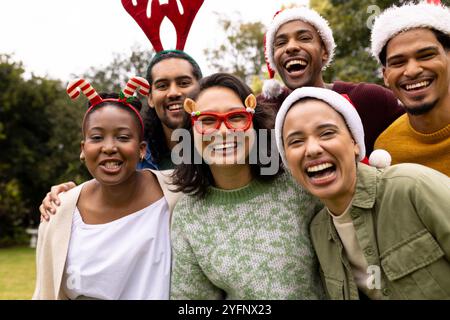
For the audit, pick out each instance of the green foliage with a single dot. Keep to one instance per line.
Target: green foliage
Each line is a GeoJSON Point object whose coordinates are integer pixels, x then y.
{"type": "Point", "coordinates": [242, 54]}
{"type": "Point", "coordinates": [40, 131]}
{"type": "Point", "coordinates": [12, 210]}
{"type": "Point", "coordinates": [40, 134]}
{"type": "Point", "coordinates": [114, 76]}
{"type": "Point", "coordinates": [350, 21]}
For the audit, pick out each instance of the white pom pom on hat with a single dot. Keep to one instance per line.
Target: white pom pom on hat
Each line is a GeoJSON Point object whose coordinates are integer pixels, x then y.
{"type": "Point", "coordinates": [306, 15]}
{"type": "Point", "coordinates": [395, 20]}
{"type": "Point", "coordinates": [380, 159]}
{"type": "Point", "coordinates": [334, 100]}
{"type": "Point", "coordinates": [272, 88]}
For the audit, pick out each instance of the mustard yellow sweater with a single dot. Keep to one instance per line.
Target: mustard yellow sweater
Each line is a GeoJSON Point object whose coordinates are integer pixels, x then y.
{"type": "Point", "coordinates": [407, 145]}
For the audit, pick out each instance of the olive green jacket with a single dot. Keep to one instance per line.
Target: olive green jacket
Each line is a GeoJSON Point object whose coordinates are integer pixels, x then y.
{"type": "Point", "coordinates": [402, 221]}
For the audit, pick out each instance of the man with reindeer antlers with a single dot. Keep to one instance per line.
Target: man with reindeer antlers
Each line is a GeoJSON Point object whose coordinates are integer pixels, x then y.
{"type": "Point", "coordinates": [173, 76]}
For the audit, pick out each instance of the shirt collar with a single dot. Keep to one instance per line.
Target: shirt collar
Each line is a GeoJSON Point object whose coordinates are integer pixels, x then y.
{"type": "Point", "coordinates": [366, 186]}
{"type": "Point", "coordinates": [365, 194]}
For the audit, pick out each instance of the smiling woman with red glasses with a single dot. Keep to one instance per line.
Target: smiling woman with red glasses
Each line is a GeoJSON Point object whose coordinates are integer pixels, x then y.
{"type": "Point", "coordinates": [238, 234]}
{"type": "Point", "coordinates": [223, 137]}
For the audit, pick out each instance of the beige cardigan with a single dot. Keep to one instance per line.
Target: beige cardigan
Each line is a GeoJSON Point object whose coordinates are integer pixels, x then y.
{"type": "Point", "coordinates": [54, 236]}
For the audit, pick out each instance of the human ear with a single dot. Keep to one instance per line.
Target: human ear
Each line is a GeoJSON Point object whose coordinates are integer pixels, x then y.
{"type": "Point", "coordinates": [189, 105]}
{"type": "Point", "coordinates": [325, 56]}
{"type": "Point", "coordinates": [149, 101]}
{"type": "Point", "coordinates": [142, 150]}
{"type": "Point", "coordinates": [385, 78]}
{"type": "Point", "coordinates": [356, 149]}
{"type": "Point", "coordinates": [82, 156]}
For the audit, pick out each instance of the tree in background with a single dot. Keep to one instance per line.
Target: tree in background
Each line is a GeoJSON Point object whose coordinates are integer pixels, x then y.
{"type": "Point", "coordinates": [351, 21]}
{"type": "Point", "coordinates": [115, 75]}
{"type": "Point", "coordinates": [39, 143]}
{"type": "Point", "coordinates": [40, 134]}
{"type": "Point", "coordinates": [242, 53]}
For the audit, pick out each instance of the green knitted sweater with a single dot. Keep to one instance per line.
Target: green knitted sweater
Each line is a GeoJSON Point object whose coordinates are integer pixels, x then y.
{"type": "Point", "coordinates": [248, 243]}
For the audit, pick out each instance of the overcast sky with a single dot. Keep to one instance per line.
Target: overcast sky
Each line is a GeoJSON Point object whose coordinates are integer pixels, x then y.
{"type": "Point", "coordinates": [57, 38]}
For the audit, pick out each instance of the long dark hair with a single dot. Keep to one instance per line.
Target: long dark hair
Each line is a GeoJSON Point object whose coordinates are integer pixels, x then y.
{"type": "Point", "coordinates": [196, 178]}
{"type": "Point", "coordinates": [154, 134]}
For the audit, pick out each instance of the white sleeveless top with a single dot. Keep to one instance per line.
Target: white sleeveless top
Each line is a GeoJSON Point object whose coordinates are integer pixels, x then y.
{"type": "Point", "coordinates": [126, 259]}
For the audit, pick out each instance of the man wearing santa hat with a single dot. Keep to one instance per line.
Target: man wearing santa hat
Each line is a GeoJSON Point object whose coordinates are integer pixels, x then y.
{"type": "Point", "coordinates": [412, 42]}
{"type": "Point", "coordinates": [299, 46]}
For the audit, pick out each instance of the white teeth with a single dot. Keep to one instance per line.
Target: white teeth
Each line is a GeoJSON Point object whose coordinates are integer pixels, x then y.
{"type": "Point", "coordinates": [111, 165]}
{"type": "Point", "coordinates": [417, 85]}
{"type": "Point", "coordinates": [292, 62]}
{"type": "Point", "coordinates": [175, 107]}
{"type": "Point", "coordinates": [224, 146]}
{"type": "Point", "coordinates": [319, 167]}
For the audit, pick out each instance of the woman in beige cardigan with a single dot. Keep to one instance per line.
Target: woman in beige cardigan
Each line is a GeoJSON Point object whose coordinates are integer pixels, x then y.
{"type": "Point", "coordinates": [110, 236]}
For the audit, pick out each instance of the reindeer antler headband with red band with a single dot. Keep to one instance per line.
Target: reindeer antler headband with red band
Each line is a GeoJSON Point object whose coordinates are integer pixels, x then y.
{"type": "Point", "coordinates": [134, 84]}
{"type": "Point", "coordinates": [180, 12]}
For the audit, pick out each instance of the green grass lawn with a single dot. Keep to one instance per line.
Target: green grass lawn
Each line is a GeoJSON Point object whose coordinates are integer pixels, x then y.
{"type": "Point", "coordinates": [17, 273]}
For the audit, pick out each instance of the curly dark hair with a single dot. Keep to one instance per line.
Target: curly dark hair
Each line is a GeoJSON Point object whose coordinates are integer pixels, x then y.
{"type": "Point", "coordinates": [196, 178]}
{"type": "Point", "coordinates": [107, 95]}
{"type": "Point", "coordinates": [154, 134]}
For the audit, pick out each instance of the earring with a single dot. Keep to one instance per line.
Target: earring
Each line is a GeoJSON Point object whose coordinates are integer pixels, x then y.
{"type": "Point", "coordinates": [142, 158]}
{"type": "Point", "coordinates": [82, 158]}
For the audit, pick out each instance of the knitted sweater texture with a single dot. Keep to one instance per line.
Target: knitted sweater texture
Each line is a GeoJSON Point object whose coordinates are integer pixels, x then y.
{"type": "Point", "coordinates": [248, 243]}
{"type": "Point", "coordinates": [407, 145]}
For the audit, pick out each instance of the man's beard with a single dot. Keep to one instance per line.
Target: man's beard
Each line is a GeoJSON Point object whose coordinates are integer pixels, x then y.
{"type": "Point", "coordinates": [420, 110]}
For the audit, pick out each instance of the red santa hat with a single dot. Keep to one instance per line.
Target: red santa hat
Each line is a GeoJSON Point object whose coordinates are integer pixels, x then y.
{"type": "Point", "coordinates": [273, 88]}
{"type": "Point", "coordinates": [430, 14]}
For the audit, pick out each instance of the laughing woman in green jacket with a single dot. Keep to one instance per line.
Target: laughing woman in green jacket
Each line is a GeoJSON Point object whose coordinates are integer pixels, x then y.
{"type": "Point", "coordinates": [384, 233]}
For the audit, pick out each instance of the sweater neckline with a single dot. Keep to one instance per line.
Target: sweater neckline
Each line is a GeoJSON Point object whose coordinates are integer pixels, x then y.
{"type": "Point", "coordinates": [245, 193]}
{"type": "Point", "coordinates": [433, 137]}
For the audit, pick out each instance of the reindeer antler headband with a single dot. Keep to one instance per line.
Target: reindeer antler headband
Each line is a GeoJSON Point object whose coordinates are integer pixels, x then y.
{"type": "Point", "coordinates": [180, 12]}
{"type": "Point", "coordinates": [134, 84]}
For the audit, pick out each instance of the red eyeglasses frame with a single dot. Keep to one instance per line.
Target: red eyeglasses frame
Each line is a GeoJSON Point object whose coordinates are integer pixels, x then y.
{"type": "Point", "coordinates": [221, 117]}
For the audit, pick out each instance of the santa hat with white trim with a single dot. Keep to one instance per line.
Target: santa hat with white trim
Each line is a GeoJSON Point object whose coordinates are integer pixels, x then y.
{"type": "Point", "coordinates": [394, 20]}
{"type": "Point", "coordinates": [338, 102]}
{"type": "Point", "coordinates": [307, 15]}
